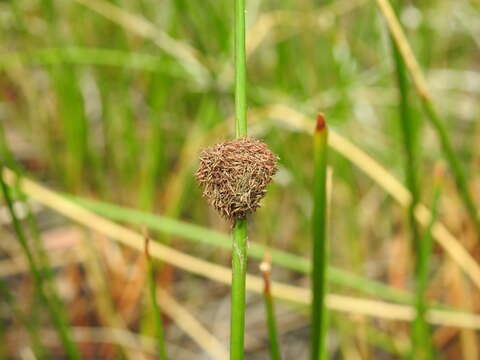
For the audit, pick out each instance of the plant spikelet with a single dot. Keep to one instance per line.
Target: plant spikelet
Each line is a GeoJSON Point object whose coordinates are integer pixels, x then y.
{"type": "Point", "coordinates": [234, 176]}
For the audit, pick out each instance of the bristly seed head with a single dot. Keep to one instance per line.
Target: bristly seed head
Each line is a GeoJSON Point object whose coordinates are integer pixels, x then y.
{"type": "Point", "coordinates": [234, 176]}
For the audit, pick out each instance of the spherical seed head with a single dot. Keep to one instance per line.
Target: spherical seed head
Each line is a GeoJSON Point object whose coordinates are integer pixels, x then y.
{"type": "Point", "coordinates": [234, 176]}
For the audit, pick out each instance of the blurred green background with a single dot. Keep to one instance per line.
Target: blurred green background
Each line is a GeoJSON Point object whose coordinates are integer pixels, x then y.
{"type": "Point", "coordinates": [113, 100]}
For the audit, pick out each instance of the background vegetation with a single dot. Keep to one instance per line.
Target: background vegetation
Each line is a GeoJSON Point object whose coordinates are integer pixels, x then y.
{"type": "Point", "coordinates": [113, 100]}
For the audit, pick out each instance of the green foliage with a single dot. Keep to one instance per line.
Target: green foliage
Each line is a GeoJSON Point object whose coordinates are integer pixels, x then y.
{"type": "Point", "coordinates": [108, 110]}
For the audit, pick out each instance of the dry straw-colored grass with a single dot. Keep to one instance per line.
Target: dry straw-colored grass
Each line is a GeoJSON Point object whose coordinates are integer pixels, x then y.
{"type": "Point", "coordinates": [234, 176]}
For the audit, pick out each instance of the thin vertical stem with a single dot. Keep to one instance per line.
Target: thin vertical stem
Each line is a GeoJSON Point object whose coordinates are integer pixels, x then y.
{"type": "Point", "coordinates": [265, 268]}
{"type": "Point", "coordinates": [240, 70]}
{"type": "Point", "coordinates": [420, 329]}
{"type": "Point", "coordinates": [239, 270]}
{"type": "Point", "coordinates": [320, 244]}
{"type": "Point", "coordinates": [157, 314]}
{"type": "Point", "coordinates": [239, 246]}
{"type": "Point", "coordinates": [454, 163]}
{"type": "Point", "coordinates": [409, 142]}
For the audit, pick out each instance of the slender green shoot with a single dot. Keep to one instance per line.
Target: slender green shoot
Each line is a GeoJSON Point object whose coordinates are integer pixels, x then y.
{"type": "Point", "coordinates": [239, 272]}
{"type": "Point", "coordinates": [240, 70]}
{"type": "Point", "coordinates": [265, 268]}
{"type": "Point", "coordinates": [320, 244]}
{"type": "Point", "coordinates": [58, 319]}
{"type": "Point", "coordinates": [454, 163]}
{"type": "Point", "coordinates": [409, 135]}
{"type": "Point", "coordinates": [157, 314]}
{"type": "Point", "coordinates": [422, 340]}
{"type": "Point", "coordinates": [239, 248]}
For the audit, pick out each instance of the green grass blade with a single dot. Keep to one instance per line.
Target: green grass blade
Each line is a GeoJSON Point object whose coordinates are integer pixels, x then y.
{"type": "Point", "coordinates": [454, 163]}
{"type": "Point", "coordinates": [157, 314]}
{"type": "Point", "coordinates": [422, 339]}
{"type": "Point", "coordinates": [274, 345]}
{"type": "Point", "coordinates": [409, 136]}
{"type": "Point", "coordinates": [320, 244]}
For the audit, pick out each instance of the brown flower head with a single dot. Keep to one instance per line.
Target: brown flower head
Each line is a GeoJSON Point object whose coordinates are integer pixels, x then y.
{"type": "Point", "coordinates": [234, 176]}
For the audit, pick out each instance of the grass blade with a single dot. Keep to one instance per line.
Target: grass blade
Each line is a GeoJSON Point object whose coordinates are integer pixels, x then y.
{"type": "Point", "coordinates": [320, 247]}
{"type": "Point", "coordinates": [422, 340]}
{"type": "Point", "coordinates": [409, 135]}
{"type": "Point", "coordinates": [265, 268]}
{"type": "Point", "coordinates": [157, 314]}
{"type": "Point", "coordinates": [454, 163]}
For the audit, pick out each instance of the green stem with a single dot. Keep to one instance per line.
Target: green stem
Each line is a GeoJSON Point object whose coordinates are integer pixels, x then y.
{"type": "Point", "coordinates": [265, 267]}
{"type": "Point", "coordinates": [157, 314]}
{"type": "Point", "coordinates": [409, 142]}
{"type": "Point", "coordinates": [239, 247]}
{"type": "Point", "coordinates": [59, 321]}
{"type": "Point", "coordinates": [422, 341]}
{"type": "Point", "coordinates": [239, 272]}
{"type": "Point", "coordinates": [320, 244]}
{"type": "Point", "coordinates": [420, 338]}
{"type": "Point", "coordinates": [453, 162]}
{"type": "Point", "coordinates": [240, 70]}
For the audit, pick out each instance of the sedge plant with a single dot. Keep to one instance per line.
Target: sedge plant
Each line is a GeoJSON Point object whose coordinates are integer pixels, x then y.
{"type": "Point", "coordinates": [409, 132]}
{"type": "Point", "coordinates": [320, 243]}
{"type": "Point", "coordinates": [234, 176]}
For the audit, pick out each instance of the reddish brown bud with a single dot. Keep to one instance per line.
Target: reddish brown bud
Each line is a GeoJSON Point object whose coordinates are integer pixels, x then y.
{"type": "Point", "coordinates": [321, 124]}
{"type": "Point", "coordinates": [234, 176]}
